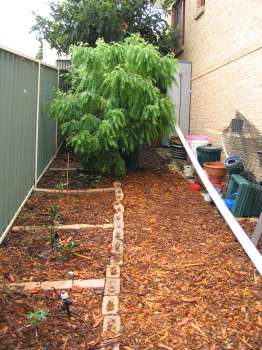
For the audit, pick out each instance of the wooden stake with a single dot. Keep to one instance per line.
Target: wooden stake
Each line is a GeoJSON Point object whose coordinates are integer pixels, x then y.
{"type": "Point", "coordinates": [67, 171]}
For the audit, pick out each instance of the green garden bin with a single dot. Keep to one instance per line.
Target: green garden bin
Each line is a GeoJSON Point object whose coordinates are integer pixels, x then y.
{"type": "Point", "coordinates": [208, 153]}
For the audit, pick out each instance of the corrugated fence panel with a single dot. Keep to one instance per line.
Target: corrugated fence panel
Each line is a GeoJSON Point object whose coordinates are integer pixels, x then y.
{"type": "Point", "coordinates": [47, 126]}
{"type": "Point", "coordinates": [18, 104]}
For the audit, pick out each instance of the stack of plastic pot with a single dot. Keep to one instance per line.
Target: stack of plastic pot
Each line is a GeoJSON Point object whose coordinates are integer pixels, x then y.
{"type": "Point", "coordinates": [177, 149]}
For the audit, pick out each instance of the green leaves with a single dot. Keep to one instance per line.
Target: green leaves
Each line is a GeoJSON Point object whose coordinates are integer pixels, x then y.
{"type": "Point", "coordinates": [37, 316]}
{"type": "Point", "coordinates": [117, 101]}
{"type": "Point", "coordinates": [71, 22]}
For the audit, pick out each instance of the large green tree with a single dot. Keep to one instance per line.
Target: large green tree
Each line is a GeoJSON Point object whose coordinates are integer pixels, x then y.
{"type": "Point", "coordinates": [74, 21]}
{"type": "Point", "coordinates": [117, 102]}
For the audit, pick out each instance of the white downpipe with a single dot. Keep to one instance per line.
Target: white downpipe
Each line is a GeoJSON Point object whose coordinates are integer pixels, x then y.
{"type": "Point", "coordinates": [240, 234]}
{"type": "Point", "coordinates": [3, 236]}
{"type": "Point", "coordinates": [37, 121]}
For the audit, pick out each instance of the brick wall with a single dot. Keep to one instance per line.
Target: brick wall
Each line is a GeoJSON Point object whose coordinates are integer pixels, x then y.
{"type": "Point", "coordinates": [225, 47]}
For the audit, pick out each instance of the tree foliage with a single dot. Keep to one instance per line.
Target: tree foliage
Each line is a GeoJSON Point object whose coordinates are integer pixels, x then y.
{"type": "Point", "coordinates": [117, 102]}
{"type": "Point", "coordinates": [74, 21]}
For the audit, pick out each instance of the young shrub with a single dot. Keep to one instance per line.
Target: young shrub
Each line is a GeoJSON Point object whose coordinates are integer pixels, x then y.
{"type": "Point", "coordinates": [117, 102]}
{"type": "Point", "coordinates": [36, 316]}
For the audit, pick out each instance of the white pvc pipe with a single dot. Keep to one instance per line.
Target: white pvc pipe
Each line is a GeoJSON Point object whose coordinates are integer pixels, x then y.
{"type": "Point", "coordinates": [237, 230]}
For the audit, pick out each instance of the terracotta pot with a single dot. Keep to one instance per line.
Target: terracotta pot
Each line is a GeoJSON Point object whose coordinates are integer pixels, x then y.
{"type": "Point", "coordinates": [215, 170]}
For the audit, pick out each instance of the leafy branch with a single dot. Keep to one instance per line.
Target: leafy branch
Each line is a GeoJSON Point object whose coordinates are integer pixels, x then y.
{"type": "Point", "coordinates": [117, 102]}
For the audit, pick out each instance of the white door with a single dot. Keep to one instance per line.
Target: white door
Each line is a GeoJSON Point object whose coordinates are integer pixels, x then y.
{"type": "Point", "coordinates": [180, 93]}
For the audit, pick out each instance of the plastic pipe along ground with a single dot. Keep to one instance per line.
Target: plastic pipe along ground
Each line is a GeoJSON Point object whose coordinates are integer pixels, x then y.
{"type": "Point", "coordinates": [237, 230]}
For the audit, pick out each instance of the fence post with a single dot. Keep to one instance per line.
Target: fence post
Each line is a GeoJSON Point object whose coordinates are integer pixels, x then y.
{"type": "Point", "coordinates": [58, 82]}
{"type": "Point", "coordinates": [37, 121]}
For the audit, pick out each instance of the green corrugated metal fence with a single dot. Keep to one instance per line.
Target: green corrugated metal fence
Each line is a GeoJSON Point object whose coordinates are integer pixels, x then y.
{"type": "Point", "coordinates": [18, 123]}
{"type": "Point", "coordinates": [47, 128]}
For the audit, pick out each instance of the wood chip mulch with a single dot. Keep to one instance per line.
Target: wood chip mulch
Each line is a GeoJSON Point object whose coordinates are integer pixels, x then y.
{"type": "Point", "coordinates": [59, 331]}
{"type": "Point", "coordinates": [27, 256]}
{"type": "Point", "coordinates": [186, 283]}
{"type": "Point", "coordinates": [91, 208]}
{"type": "Point", "coordinates": [77, 179]}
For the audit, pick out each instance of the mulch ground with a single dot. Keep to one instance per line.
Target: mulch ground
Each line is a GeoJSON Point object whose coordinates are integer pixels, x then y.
{"type": "Point", "coordinates": [89, 208]}
{"type": "Point", "coordinates": [80, 331]}
{"type": "Point", "coordinates": [27, 256]}
{"type": "Point", "coordinates": [77, 179]}
{"type": "Point", "coordinates": [186, 282]}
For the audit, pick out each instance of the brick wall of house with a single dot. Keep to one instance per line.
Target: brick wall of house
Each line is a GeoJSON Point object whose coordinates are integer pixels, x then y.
{"type": "Point", "coordinates": [225, 47]}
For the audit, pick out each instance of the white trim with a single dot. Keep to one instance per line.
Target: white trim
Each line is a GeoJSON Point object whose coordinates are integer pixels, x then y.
{"type": "Point", "coordinates": [37, 120]}
{"type": "Point", "coordinates": [237, 230]}
{"type": "Point", "coordinates": [7, 229]}
{"type": "Point", "coordinates": [18, 53]}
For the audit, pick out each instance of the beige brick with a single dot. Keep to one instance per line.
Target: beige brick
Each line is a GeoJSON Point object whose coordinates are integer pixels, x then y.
{"type": "Point", "coordinates": [112, 286]}
{"type": "Point", "coordinates": [111, 325]}
{"type": "Point", "coordinates": [110, 305]}
{"type": "Point", "coordinates": [113, 271]}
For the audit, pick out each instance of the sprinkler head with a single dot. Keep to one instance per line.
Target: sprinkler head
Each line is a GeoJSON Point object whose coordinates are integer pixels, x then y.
{"type": "Point", "coordinates": [66, 302]}
{"type": "Point", "coordinates": [64, 295]}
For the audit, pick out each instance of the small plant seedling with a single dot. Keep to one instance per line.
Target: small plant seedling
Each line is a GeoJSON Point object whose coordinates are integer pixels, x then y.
{"type": "Point", "coordinates": [53, 238]}
{"type": "Point", "coordinates": [37, 316]}
{"type": "Point", "coordinates": [54, 213]}
{"type": "Point", "coordinates": [66, 250]}
{"type": "Point", "coordinates": [54, 218]}
{"type": "Point", "coordinates": [60, 186]}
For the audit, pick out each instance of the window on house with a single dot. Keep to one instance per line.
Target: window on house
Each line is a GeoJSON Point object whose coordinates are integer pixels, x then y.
{"type": "Point", "coordinates": [178, 19]}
